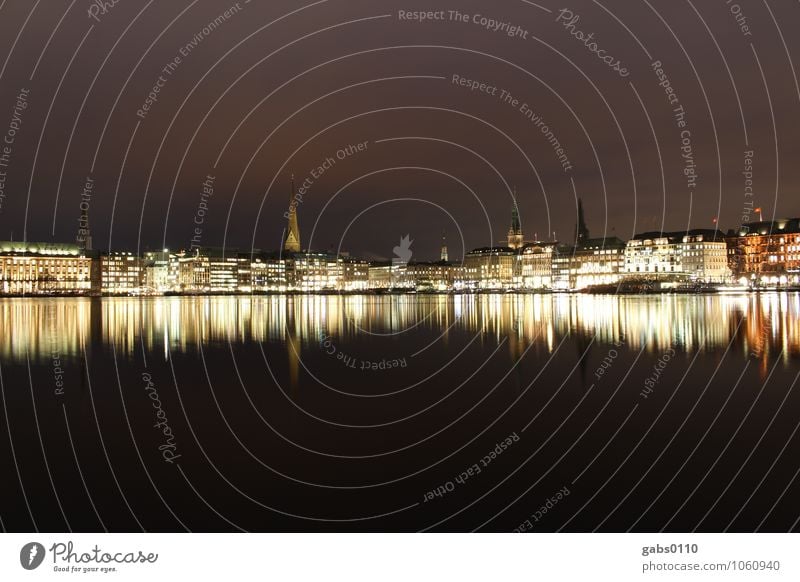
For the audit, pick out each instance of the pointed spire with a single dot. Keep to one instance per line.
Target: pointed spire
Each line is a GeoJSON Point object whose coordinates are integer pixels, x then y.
{"type": "Point", "coordinates": [515, 236]}
{"type": "Point", "coordinates": [581, 230]}
{"type": "Point", "coordinates": [292, 243]}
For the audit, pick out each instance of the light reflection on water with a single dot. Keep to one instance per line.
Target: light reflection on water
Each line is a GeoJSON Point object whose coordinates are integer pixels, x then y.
{"type": "Point", "coordinates": [36, 328]}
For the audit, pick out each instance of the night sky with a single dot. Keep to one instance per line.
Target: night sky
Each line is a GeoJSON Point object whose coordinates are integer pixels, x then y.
{"type": "Point", "coordinates": [277, 88]}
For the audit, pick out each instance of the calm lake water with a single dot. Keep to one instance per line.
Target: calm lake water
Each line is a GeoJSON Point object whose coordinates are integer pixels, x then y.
{"type": "Point", "coordinates": [387, 413]}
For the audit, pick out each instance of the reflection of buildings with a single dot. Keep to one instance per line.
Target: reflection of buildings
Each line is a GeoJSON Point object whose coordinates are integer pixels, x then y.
{"type": "Point", "coordinates": [766, 253]}
{"type": "Point", "coordinates": [39, 327]}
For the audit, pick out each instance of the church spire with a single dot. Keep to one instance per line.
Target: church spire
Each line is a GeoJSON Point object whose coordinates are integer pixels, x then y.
{"type": "Point", "coordinates": [515, 236]}
{"type": "Point", "coordinates": [292, 243]}
{"type": "Point", "coordinates": [444, 256]}
{"type": "Point", "coordinates": [581, 230]}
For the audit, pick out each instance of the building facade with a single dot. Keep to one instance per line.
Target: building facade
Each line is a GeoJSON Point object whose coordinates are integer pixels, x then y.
{"type": "Point", "coordinates": [122, 273]}
{"type": "Point", "coordinates": [269, 274]}
{"type": "Point", "coordinates": [593, 262]}
{"type": "Point", "coordinates": [490, 268]}
{"type": "Point", "coordinates": [766, 253]}
{"type": "Point", "coordinates": [697, 256]}
{"type": "Point", "coordinates": [537, 266]}
{"type": "Point", "coordinates": [45, 268]}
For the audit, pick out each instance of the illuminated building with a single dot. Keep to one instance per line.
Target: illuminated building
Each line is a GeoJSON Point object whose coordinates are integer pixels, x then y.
{"type": "Point", "coordinates": [193, 272]}
{"type": "Point", "coordinates": [161, 271]}
{"type": "Point", "coordinates": [593, 262]}
{"type": "Point", "coordinates": [354, 274]}
{"type": "Point", "coordinates": [537, 266]}
{"type": "Point", "coordinates": [488, 268]}
{"type": "Point", "coordinates": [693, 256]}
{"type": "Point", "coordinates": [766, 253]}
{"type": "Point", "coordinates": [438, 276]}
{"type": "Point", "coordinates": [269, 274]}
{"type": "Point", "coordinates": [389, 275]}
{"type": "Point", "coordinates": [652, 255]}
{"type": "Point", "coordinates": [312, 272]}
{"type": "Point", "coordinates": [704, 259]}
{"type": "Point", "coordinates": [122, 273]}
{"type": "Point", "coordinates": [44, 268]}
{"type": "Point", "coordinates": [223, 271]}
{"type": "Point", "coordinates": [244, 275]}
{"type": "Point", "coordinates": [214, 270]}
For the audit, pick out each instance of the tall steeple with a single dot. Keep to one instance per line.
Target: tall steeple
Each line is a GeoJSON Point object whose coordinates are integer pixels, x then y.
{"type": "Point", "coordinates": [581, 231]}
{"type": "Point", "coordinates": [443, 256]}
{"type": "Point", "coordinates": [292, 243]}
{"type": "Point", "coordinates": [515, 236]}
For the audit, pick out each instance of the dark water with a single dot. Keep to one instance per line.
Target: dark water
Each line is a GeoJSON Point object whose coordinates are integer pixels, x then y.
{"type": "Point", "coordinates": [540, 412]}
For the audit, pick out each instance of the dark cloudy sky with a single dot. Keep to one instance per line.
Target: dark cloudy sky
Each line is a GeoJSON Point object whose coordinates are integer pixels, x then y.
{"type": "Point", "coordinates": [280, 86]}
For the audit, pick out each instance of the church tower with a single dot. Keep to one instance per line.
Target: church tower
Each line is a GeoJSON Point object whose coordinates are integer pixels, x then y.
{"type": "Point", "coordinates": [515, 238]}
{"type": "Point", "coordinates": [581, 230]}
{"type": "Point", "coordinates": [443, 255]}
{"type": "Point", "coordinates": [292, 243]}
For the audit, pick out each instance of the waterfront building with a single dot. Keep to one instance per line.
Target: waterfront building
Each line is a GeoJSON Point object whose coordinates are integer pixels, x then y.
{"type": "Point", "coordinates": [695, 256]}
{"type": "Point", "coordinates": [435, 276]}
{"type": "Point", "coordinates": [592, 262]}
{"type": "Point", "coordinates": [193, 272]}
{"type": "Point", "coordinates": [651, 256]}
{"type": "Point", "coordinates": [312, 272]}
{"type": "Point", "coordinates": [417, 275]}
{"type": "Point", "coordinates": [269, 274]}
{"type": "Point", "coordinates": [45, 268]}
{"type": "Point", "coordinates": [390, 275]}
{"type": "Point", "coordinates": [161, 271]}
{"type": "Point", "coordinates": [704, 257]}
{"type": "Point", "coordinates": [354, 273]}
{"type": "Point", "coordinates": [227, 271]}
{"type": "Point", "coordinates": [215, 270]}
{"type": "Point", "coordinates": [536, 266]}
{"type": "Point", "coordinates": [766, 253]}
{"type": "Point", "coordinates": [122, 273]}
{"type": "Point", "coordinates": [490, 268]}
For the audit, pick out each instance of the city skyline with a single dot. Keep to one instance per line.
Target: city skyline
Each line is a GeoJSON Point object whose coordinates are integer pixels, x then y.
{"type": "Point", "coordinates": [756, 256]}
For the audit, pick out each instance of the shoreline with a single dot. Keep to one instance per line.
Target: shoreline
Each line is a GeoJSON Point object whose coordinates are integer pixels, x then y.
{"type": "Point", "coordinates": [625, 292]}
